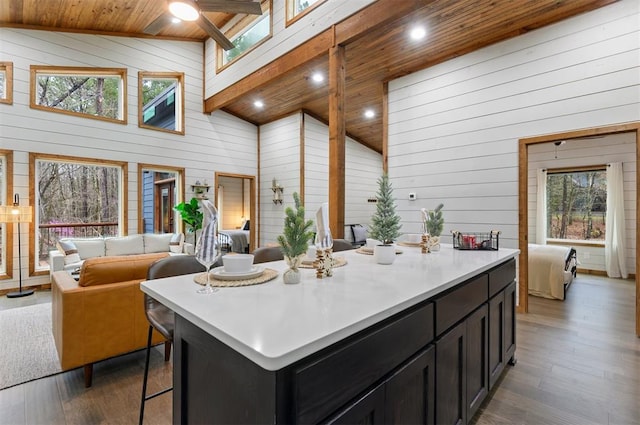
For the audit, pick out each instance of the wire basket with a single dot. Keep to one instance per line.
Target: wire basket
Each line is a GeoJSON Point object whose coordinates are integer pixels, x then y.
{"type": "Point", "coordinates": [479, 241]}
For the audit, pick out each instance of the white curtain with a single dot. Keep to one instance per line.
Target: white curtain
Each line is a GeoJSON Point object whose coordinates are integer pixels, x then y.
{"type": "Point", "coordinates": [541, 207]}
{"type": "Point", "coordinates": [220, 204]}
{"type": "Point", "coordinates": [614, 242]}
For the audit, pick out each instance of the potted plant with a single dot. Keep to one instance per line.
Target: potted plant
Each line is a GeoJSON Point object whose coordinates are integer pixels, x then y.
{"type": "Point", "coordinates": [295, 239]}
{"type": "Point", "coordinates": [433, 225]}
{"type": "Point", "coordinates": [385, 223]}
{"type": "Point", "coordinates": [191, 216]}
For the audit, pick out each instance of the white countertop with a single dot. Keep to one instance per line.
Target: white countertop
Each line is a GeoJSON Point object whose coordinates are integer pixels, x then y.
{"type": "Point", "coordinates": [274, 324]}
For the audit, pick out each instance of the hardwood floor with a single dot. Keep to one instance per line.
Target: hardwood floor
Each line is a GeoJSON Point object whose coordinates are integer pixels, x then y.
{"type": "Point", "coordinates": [578, 363]}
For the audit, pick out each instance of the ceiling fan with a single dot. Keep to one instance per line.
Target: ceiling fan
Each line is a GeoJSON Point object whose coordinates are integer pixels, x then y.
{"type": "Point", "coordinates": [191, 10]}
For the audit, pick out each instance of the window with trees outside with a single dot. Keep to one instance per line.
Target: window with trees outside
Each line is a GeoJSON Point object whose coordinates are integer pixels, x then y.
{"type": "Point", "coordinates": [6, 82]}
{"type": "Point", "coordinates": [161, 101]}
{"type": "Point", "coordinates": [577, 204]}
{"type": "Point", "coordinates": [76, 197]}
{"type": "Point", "coordinates": [298, 8]}
{"type": "Point", "coordinates": [97, 93]}
{"type": "Point", "coordinates": [246, 34]}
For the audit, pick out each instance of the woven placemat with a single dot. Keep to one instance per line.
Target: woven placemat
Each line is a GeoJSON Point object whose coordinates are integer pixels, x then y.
{"type": "Point", "coordinates": [339, 262]}
{"type": "Point", "coordinates": [267, 275]}
{"type": "Point", "coordinates": [369, 251]}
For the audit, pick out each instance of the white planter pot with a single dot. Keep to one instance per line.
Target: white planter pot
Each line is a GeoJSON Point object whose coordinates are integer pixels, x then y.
{"type": "Point", "coordinates": [384, 254]}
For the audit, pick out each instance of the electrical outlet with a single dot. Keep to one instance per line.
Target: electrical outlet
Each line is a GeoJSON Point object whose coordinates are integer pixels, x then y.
{"type": "Point", "coordinates": [412, 196]}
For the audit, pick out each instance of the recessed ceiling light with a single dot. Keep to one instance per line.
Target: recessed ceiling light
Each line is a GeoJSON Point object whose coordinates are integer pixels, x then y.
{"type": "Point", "coordinates": [317, 77]}
{"type": "Point", "coordinates": [418, 33]}
{"type": "Point", "coordinates": [258, 104]}
{"type": "Point", "coordinates": [184, 9]}
{"type": "Point", "coordinates": [369, 113]}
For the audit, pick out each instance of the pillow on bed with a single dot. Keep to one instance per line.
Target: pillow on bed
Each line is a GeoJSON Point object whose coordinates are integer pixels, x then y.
{"type": "Point", "coordinates": [245, 225]}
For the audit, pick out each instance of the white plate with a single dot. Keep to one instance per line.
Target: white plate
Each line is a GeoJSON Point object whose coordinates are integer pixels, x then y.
{"type": "Point", "coordinates": [221, 274]}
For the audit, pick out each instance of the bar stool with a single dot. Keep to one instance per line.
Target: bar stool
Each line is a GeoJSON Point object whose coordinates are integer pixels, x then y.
{"type": "Point", "coordinates": [160, 317]}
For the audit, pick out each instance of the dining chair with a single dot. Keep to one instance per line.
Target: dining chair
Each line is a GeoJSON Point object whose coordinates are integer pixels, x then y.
{"type": "Point", "coordinates": [160, 317]}
{"type": "Point", "coordinates": [342, 245]}
{"type": "Point", "coordinates": [267, 253]}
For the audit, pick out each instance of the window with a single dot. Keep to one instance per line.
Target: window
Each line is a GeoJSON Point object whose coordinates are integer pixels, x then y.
{"type": "Point", "coordinates": [159, 190]}
{"type": "Point", "coordinates": [76, 197]}
{"type": "Point", "coordinates": [576, 204]}
{"type": "Point", "coordinates": [98, 93]}
{"type": "Point", "coordinates": [298, 8]}
{"type": "Point", "coordinates": [161, 101]}
{"type": "Point", "coordinates": [6, 198]}
{"type": "Point", "coordinates": [6, 82]}
{"type": "Point", "coordinates": [248, 33]}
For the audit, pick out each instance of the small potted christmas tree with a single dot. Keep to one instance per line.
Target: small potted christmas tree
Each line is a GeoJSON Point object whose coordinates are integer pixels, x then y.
{"type": "Point", "coordinates": [294, 241]}
{"type": "Point", "coordinates": [433, 225]}
{"type": "Point", "coordinates": [385, 223]}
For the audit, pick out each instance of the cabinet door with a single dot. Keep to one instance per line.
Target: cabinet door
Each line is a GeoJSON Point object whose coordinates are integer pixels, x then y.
{"type": "Point", "coordinates": [496, 338]}
{"type": "Point", "coordinates": [367, 410]}
{"type": "Point", "coordinates": [410, 392]}
{"type": "Point", "coordinates": [451, 370]}
{"type": "Point", "coordinates": [510, 322]}
{"type": "Point", "coordinates": [477, 334]}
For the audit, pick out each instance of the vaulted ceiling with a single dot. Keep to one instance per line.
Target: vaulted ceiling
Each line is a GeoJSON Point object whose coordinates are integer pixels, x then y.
{"type": "Point", "coordinates": [377, 47]}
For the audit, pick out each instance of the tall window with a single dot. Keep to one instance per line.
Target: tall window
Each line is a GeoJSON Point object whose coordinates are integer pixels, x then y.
{"type": "Point", "coordinates": [6, 82]}
{"type": "Point", "coordinates": [248, 33]}
{"type": "Point", "coordinates": [76, 197]}
{"type": "Point", "coordinates": [160, 188]}
{"type": "Point", "coordinates": [576, 204]}
{"type": "Point", "coordinates": [98, 93]}
{"type": "Point", "coordinates": [298, 8]}
{"type": "Point", "coordinates": [161, 101]}
{"type": "Point", "coordinates": [5, 243]}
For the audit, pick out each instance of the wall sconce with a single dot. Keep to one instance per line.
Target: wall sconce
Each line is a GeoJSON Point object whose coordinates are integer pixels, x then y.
{"type": "Point", "coordinates": [277, 192]}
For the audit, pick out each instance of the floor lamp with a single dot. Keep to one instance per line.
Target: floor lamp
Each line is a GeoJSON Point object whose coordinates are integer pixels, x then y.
{"type": "Point", "coordinates": [17, 214]}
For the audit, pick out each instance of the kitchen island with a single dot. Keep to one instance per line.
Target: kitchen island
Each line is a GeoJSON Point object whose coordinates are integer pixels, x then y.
{"type": "Point", "coordinates": [372, 341]}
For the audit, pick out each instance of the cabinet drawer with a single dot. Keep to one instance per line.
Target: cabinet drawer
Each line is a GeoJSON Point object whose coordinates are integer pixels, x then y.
{"type": "Point", "coordinates": [501, 276]}
{"type": "Point", "coordinates": [457, 304]}
{"type": "Point", "coordinates": [328, 382]}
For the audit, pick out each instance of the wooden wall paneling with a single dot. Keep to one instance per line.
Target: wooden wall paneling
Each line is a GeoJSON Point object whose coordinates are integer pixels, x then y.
{"type": "Point", "coordinates": [337, 134]}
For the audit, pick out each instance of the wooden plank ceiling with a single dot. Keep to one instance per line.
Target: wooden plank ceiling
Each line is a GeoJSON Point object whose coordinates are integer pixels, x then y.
{"type": "Point", "coordinates": [375, 54]}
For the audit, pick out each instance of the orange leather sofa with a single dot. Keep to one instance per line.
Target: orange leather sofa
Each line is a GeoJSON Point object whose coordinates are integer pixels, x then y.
{"type": "Point", "coordinates": [101, 315]}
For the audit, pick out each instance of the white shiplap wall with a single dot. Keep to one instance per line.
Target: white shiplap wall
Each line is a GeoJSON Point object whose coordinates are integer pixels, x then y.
{"type": "Point", "coordinates": [316, 165]}
{"type": "Point", "coordinates": [282, 41]}
{"type": "Point", "coordinates": [279, 159]}
{"type": "Point", "coordinates": [584, 152]}
{"type": "Point", "coordinates": [217, 142]}
{"type": "Point", "coordinates": [454, 128]}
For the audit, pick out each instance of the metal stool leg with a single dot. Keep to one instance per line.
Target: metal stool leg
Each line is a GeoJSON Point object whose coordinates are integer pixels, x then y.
{"type": "Point", "coordinates": [146, 375]}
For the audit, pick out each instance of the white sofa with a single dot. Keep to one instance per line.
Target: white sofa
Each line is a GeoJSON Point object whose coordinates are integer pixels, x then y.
{"type": "Point", "coordinates": [72, 252]}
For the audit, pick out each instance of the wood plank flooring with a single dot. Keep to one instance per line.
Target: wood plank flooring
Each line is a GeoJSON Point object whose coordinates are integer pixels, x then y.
{"type": "Point", "coordinates": [578, 363]}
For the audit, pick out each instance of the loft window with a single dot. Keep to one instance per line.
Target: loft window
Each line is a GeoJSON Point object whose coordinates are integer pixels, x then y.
{"type": "Point", "coordinates": [298, 8]}
{"type": "Point", "coordinates": [577, 204]}
{"type": "Point", "coordinates": [6, 82]}
{"type": "Point", "coordinates": [97, 93]}
{"type": "Point", "coordinates": [246, 34]}
{"type": "Point", "coordinates": [161, 101]}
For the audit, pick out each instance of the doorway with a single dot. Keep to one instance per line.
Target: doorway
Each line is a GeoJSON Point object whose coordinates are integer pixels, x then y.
{"type": "Point", "coordinates": [523, 231]}
{"type": "Point", "coordinates": [235, 196]}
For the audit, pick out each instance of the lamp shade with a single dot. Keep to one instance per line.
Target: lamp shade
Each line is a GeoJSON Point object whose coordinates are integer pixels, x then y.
{"type": "Point", "coordinates": [15, 214]}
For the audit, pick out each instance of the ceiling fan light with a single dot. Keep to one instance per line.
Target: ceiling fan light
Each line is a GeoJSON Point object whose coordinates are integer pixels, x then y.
{"type": "Point", "coordinates": [184, 10]}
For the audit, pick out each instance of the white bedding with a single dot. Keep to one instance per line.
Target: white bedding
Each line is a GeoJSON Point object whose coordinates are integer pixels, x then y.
{"type": "Point", "coordinates": [547, 274]}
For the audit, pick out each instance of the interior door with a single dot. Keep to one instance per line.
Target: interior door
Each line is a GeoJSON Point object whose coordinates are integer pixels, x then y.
{"type": "Point", "coordinates": [164, 203]}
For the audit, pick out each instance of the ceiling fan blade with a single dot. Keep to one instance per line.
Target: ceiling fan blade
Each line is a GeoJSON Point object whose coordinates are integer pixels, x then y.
{"type": "Point", "coordinates": [231, 6]}
{"type": "Point", "coordinates": [214, 32]}
{"type": "Point", "coordinates": [158, 24]}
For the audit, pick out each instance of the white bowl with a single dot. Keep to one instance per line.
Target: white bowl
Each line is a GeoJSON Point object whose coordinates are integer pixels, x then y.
{"type": "Point", "coordinates": [234, 263]}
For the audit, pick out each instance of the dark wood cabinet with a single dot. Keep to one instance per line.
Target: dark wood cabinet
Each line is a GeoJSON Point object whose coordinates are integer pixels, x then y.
{"type": "Point", "coordinates": [406, 397]}
{"type": "Point", "coordinates": [477, 328]}
{"type": "Point", "coordinates": [451, 369]}
{"type": "Point", "coordinates": [502, 331]}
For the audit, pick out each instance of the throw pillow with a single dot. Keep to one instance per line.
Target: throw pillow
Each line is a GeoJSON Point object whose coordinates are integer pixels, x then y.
{"type": "Point", "coordinates": [176, 243]}
{"type": "Point", "coordinates": [126, 245]}
{"type": "Point", "coordinates": [359, 233]}
{"type": "Point", "coordinates": [246, 225]}
{"type": "Point", "coordinates": [69, 250]}
{"type": "Point", "coordinates": [157, 242]}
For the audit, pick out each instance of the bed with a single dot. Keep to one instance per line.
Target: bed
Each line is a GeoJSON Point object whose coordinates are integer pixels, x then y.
{"type": "Point", "coordinates": [551, 270]}
{"type": "Point", "coordinates": [239, 240]}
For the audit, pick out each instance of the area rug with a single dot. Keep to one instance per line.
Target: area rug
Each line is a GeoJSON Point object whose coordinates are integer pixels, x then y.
{"type": "Point", "coordinates": [27, 349]}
